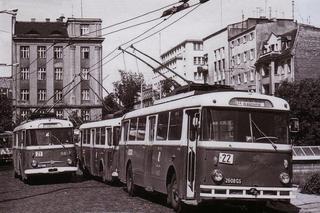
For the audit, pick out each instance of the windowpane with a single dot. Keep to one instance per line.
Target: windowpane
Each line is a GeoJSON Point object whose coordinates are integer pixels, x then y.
{"type": "Point", "coordinates": [141, 129]}
{"type": "Point", "coordinates": [84, 52]}
{"type": "Point", "coordinates": [162, 126]}
{"type": "Point", "coordinates": [103, 136]}
{"type": "Point", "coordinates": [109, 136]}
{"type": "Point", "coordinates": [133, 129]}
{"type": "Point", "coordinates": [175, 125]}
{"type": "Point", "coordinates": [42, 52]}
{"type": "Point", "coordinates": [116, 135]}
{"type": "Point", "coordinates": [98, 133]}
{"type": "Point", "coordinates": [125, 130]}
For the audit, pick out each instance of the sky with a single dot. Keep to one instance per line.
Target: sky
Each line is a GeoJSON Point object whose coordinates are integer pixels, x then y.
{"type": "Point", "coordinates": [202, 21]}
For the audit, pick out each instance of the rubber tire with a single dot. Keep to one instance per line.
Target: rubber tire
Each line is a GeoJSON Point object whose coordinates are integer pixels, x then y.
{"type": "Point", "coordinates": [129, 181]}
{"type": "Point", "coordinates": [176, 202]}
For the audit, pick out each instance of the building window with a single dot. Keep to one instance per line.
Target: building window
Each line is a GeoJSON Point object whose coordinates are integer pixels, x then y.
{"type": "Point", "coordinates": [24, 52]}
{"type": "Point", "coordinates": [57, 52]}
{"type": "Point", "coordinates": [245, 56]}
{"type": "Point", "coordinates": [84, 52]}
{"type": "Point", "coordinates": [239, 79]}
{"type": "Point", "coordinates": [245, 39]}
{"type": "Point", "coordinates": [251, 75]}
{"type": "Point", "coordinates": [252, 54]}
{"type": "Point", "coordinates": [59, 113]}
{"type": "Point", "coordinates": [238, 58]}
{"type": "Point", "coordinates": [251, 36]}
{"type": "Point", "coordinates": [41, 95]}
{"type": "Point", "coordinates": [58, 73]}
{"type": "Point", "coordinates": [197, 46]}
{"type": "Point", "coordinates": [42, 52]}
{"type": "Point", "coordinates": [84, 29]}
{"type": "Point", "coordinates": [24, 114]}
{"type": "Point", "coordinates": [85, 95]}
{"type": "Point", "coordinates": [24, 95]}
{"type": "Point", "coordinates": [58, 95]}
{"type": "Point", "coordinates": [25, 73]}
{"type": "Point", "coordinates": [84, 72]}
{"type": "Point", "coordinates": [85, 114]}
{"type": "Point", "coordinates": [42, 73]}
{"type": "Point", "coordinates": [245, 77]}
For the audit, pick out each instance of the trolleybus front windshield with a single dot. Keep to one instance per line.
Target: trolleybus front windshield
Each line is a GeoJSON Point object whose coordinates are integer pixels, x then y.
{"type": "Point", "coordinates": [56, 136]}
{"type": "Point", "coordinates": [239, 125]}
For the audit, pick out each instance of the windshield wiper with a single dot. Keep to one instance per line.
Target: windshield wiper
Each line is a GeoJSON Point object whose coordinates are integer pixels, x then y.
{"type": "Point", "coordinates": [55, 137]}
{"type": "Point", "coordinates": [263, 134]}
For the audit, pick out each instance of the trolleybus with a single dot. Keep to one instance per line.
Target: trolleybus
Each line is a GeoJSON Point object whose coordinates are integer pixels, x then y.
{"type": "Point", "coordinates": [203, 147]}
{"type": "Point", "coordinates": [44, 146]}
{"type": "Point", "coordinates": [6, 147]}
{"type": "Point", "coordinates": [98, 150]}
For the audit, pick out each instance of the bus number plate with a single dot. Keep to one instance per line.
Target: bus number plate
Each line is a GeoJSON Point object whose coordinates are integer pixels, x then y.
{"type": "Point", "coordinates": [38, 154]}
{"type": "Point", "coordinates": [225, 158]}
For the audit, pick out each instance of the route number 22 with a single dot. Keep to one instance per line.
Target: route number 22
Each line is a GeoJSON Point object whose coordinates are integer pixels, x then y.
{"type": "Point", "coordinates": [225, 158]}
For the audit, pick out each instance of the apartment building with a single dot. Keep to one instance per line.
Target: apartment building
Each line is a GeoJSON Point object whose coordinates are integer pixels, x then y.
{"type": "Point", "coordinates": [185, 59]}
{"type": "Point", "coordinates": [6, 86]}
{"type": "Point", "coordinates": [51, 55]}
{"type": "Point", "coordinates": [291, 56]}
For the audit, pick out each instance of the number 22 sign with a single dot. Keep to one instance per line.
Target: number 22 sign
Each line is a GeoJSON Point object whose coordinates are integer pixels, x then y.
{"type": "Point", "coordinates": [225, 158]}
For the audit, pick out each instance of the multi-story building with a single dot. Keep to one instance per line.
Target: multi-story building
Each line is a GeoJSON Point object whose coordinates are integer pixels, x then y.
{"type": "Point", "coordinates": [216, 47]}
{"type": "Point", "coordinates": [55, 59]}
{"type": "Point", "coordinates": [6, 86]}
{"type": "Point", "coordinates": [245, 39]}
{"type": "Point", "coordinates": [184, 59]}
{"type": "Point", "coordinates": [291, 56]}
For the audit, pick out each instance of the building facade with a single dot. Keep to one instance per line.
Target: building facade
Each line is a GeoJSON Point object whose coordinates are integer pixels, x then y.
{"type": "Point", "coordinates": [57, 63]}
{"type": "Point", "coordinates": [291, 56]}
{"type": "Point", "coordinates": [184, 59]}
{"type": "Point", "coordinates": [6, 86]}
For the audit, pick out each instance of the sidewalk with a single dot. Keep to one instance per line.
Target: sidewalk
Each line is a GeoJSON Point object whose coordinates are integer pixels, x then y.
{"type": "Point", "coordinates": [307, 203]}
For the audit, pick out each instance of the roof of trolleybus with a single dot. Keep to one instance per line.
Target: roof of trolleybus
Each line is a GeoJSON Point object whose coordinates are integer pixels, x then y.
{"type": "Point", "coordinates": [109, 122]}
{"type": "Point", "coordinates": [47, 123]}
{"type": "Point", "coordinates": [231, 99]}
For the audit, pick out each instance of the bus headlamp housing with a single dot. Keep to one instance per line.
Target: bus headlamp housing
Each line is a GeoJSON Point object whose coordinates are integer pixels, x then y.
{"type": "Point", "coordinates": [284, 178]}
{"type": "Point", "coordinates": [217, 176]}
{"type": "Point", "coordinates": [69, 161]}
{"type": "Point", "coordinates": [34, 163]}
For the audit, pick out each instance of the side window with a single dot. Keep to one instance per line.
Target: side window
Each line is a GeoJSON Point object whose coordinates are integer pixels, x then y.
{"type": "Point", "coordinates": [141, 128]}
{"type": "Point", "coordinates": [133, 129]}
{"type": "Point", "coordinates": [92, 137]}
{"type": "Point", "coordinates": [175, 126]}
{"type": "Point", "coordinates": [103, 136]}
{"type": "Point", "coordinates": [125, 129]}
{"type": "Point", "coordinates": [152, 128]}
{"type": "Point", "coordinates": [109, 136]}
{"type": "Point", "coordinates": [116, 135]}
{"type": "Point", "coordinates": [162, 127]}
{"type": "Point", "coordinates": [98, 133]}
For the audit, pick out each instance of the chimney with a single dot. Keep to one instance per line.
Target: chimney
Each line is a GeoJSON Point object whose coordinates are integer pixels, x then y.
{"type": "Point", "coordinates": [33, 19]}
{"type": "Point", "coordinates": [47, 20]}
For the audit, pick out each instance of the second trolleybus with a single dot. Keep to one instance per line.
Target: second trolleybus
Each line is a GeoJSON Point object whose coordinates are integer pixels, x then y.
{"type": "Point", "coordinates": [202, 147]}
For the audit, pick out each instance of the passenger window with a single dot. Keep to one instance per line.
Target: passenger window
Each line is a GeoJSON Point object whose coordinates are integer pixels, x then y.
{"type": "Point", "coordinates": [109, 137]}
{"type": "Point", "coordinates": [116, 135]}
{"type": "Point", "coordinates": [92, 139]}
{"type": "Point", "coordinates": [152, 128]}
{"type": "Point", "coordinates": [141, 128]}
{"type": "Point", "coordinates": [98, 135]}
{"type": "Point", "coordinates": [103, 136]}
{"type": "Point", "coordinates": [175, 126]}
{"type": "Point", "coordinates": [125, 130]}
{"type": "Point", "coordinates": [162, 126]}
{"type": "Point", "coordinates": [133, 129]}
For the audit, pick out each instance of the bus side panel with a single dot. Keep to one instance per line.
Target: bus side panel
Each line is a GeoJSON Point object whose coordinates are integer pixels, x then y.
{"type": "Point", "coordinates": [122, 162]}
{"type": "Point", "coordinates": [136, 154]}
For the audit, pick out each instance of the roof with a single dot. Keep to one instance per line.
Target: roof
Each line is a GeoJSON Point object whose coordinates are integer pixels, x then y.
{"type": "Point", "coordinates": [46, 123]}
{"type": "Point", "coordinates": [103, 123]}
{"type": "Point", "coordinates": [41, 29]}
{"type": "Point", "coordinates": [306, 153]}
{"type": "Point", "coordinates": [214, 99]}
{"type": "Point", "coordinates": [215, 33]}
{"type": "Point", "coordinates": [180, 44]}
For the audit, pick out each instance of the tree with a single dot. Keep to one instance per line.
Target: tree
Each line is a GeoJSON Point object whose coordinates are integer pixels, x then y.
{"type": "Point", "coordinates": [5, 113]}
{"type": "Point", "coordinates": [166, 87]}
{"type": "Point", "coordinates": [304, 101]}
{"type": "Point", "coordinates": [126, 89]}
{"type": "Point", "coordinates": [111, 102]}
{"type": "Point", "coordinates": [75, 119]}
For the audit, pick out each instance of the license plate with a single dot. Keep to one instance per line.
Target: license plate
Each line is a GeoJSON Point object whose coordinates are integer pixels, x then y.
{"type": "Point", "coordinates": [225, 158]}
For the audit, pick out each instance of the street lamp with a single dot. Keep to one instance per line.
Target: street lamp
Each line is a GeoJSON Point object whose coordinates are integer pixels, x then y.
{"type": "Point", "coordinates": [9, 65]}
{"type": "Point", "coordinates": [12, 12]}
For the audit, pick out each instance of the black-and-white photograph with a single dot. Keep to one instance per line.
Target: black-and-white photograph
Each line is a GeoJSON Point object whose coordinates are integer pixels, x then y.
{"type": "Point", "coordinates": [159, 106]}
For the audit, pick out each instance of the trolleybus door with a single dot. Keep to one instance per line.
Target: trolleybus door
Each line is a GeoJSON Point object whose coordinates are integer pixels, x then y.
{"type": "Point", "coordinates": [193, 116]}
{"type": "Point", "coordinates": [148, 160]}
{"type": "Point", "coordinates": [92, 152]}
{"type": "Point", "coordinates": [110, 150]}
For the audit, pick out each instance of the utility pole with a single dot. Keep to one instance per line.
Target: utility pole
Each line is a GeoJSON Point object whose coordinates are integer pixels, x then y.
{"type": "Point", "coordinates": [293, 5]}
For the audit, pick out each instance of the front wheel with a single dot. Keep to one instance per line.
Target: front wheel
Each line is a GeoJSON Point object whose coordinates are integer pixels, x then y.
{"type": "Point", "coordinates": [174, 195]}
{"type": "Point", "coordinates": [129, 180]}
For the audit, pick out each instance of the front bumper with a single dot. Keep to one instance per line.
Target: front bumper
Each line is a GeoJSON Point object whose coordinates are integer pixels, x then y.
{"type": "Point", "coordinates": [50, 170]}
{"type": "Point", "coordinates": [239, 192]}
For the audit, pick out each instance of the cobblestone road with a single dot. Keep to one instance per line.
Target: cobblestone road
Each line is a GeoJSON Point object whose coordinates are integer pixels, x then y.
{"type": "Point", "coordinates": [81, 195]}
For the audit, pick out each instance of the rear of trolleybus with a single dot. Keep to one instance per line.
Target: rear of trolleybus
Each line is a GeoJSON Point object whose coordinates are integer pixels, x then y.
{"type": "Point", "coordinates": [44, 146]}
{"type": "Point", "coordinates": [98, 153]}
{"type": "Point", "coordinates": [6, 147]}
{"type": "Point", "coordinates": [243, 152]}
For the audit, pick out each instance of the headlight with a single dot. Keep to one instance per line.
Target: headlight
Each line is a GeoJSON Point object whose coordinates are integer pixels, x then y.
{"type": "Point", "coordinates": [284, 178]}
{"type": "Point", "coordinates": [34, 163]}
{"type": "Point", "coordinates": [69, 161]}
{"type": "Point", "coordinates": [217, 176]}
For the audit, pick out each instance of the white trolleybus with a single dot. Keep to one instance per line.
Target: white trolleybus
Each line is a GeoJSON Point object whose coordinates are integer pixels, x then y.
{"type": "Point", "coordinates": [203, 147]}
{"type": "Point", "coordinates": [98, 148]}
{"type": "Point", "coordinates": [44, 146]}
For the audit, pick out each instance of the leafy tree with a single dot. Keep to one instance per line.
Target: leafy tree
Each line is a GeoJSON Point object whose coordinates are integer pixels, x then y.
{"type": "Point", "coordinates": [75, 119]}
{"type": "Point", "coordinates": [126, 89]}
{"type": "Point", "coordinates": [166, 87]}
{"type": "Point", "coordinates": [304, 100]}
{"type": "Point", "coordinates": [5, 113]}
{"type": "Point", "coordinates": [111, 103]}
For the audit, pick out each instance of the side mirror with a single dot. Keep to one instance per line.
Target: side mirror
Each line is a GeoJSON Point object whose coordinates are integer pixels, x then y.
{"type": "Point", "coordinates": [294, 125]}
